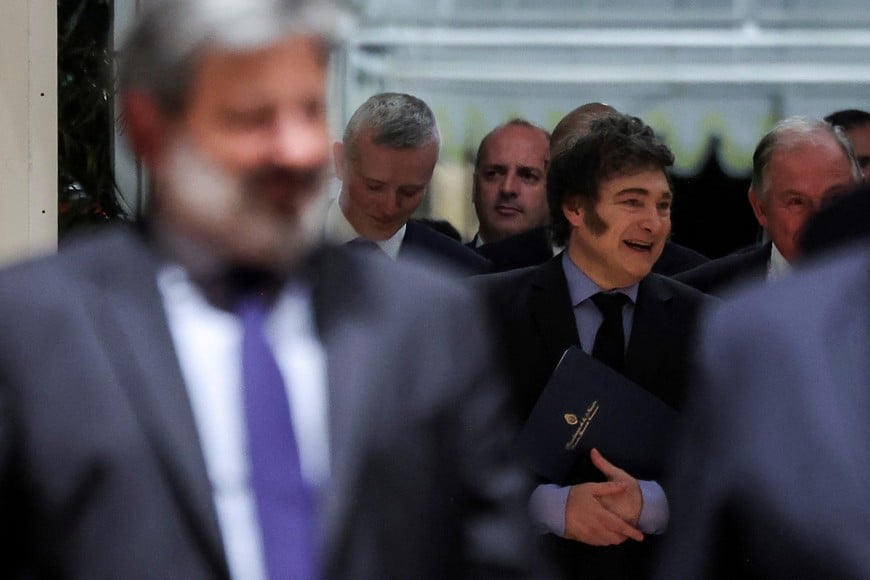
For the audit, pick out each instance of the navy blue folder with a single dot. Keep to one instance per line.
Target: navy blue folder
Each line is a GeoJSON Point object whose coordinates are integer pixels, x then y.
{"type": "Point", "coordinates": [587, 405]}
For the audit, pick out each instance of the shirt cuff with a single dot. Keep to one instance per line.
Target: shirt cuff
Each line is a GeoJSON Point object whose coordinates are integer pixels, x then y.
{"type": "Point", "coordinates": [655, 513]}
{"type": "Point", "coordinates": [547, 509]}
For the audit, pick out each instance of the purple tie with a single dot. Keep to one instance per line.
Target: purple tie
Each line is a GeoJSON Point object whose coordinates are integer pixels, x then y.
{"type": "Point", "coordinates": [285, 504]}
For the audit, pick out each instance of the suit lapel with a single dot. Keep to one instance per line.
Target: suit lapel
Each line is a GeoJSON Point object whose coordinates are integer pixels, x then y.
{"type": "Point", "coordinates": [128, 311]}
{"type": "Point", "coordinates": [345, 322]}
{"type": "Point", "coordinates": [551, 308]}
{"type": "Point", "coordinates": [648, 341]}
{"type": "Point", "coordinates": [411, 242]}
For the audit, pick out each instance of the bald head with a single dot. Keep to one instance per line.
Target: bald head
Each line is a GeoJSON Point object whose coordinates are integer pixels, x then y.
{"type": "Point", "coordinates": [510, 180]}
{"type": "Point", "coordinates": [576, 124]}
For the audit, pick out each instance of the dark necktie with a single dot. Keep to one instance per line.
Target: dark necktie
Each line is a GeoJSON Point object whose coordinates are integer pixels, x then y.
{"type": "Point", "coordinates": [285, 505]}
{"type": "Point", "coordinates": [609, 345]}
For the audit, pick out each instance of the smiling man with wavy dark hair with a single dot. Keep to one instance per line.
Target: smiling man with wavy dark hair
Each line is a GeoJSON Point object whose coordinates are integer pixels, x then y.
{"type": "Point", "coordinates": [610, 200]}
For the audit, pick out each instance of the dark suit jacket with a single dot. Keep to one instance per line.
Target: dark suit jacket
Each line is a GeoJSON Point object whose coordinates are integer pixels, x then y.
{"type": "Point", "coordinates": [533, 312]}
{"type": "Point", "coordinates": [425, 244]}
{"type": "Point", "coordinates": [535, 247]}
{"type": "Point", "coordinates": [676, 258]}
{"type": "Point", "coordinates": [102, 475]}
{"type": "Point", "coordinates": [723, 275]}
{"type": "Point", "coordinates": [774, 465]}
{"type": "Point", "coordinates": [520, 251]}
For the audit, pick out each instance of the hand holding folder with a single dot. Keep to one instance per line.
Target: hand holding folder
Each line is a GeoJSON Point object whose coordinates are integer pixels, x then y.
{"type": "Point", "coordinates": [587, 405]}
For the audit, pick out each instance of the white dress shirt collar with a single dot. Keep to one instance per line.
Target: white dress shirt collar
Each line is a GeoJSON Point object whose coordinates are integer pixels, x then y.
{"type": "Point", "coordinates": [340, 231]}
{"type": "Point", "coordinates": [778, 265]}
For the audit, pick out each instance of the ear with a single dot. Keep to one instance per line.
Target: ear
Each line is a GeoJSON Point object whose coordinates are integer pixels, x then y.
{"type": "Point", "coordinates": [338, 159]}
{"type": "Point", "coordinates": [572, 209]}
{"type": "Point", "coordinates": [758, 208]}
{"type": "Point", "coordinates": [146, 125]}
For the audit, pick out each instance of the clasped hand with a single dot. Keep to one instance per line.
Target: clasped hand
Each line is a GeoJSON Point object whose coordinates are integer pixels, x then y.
{"type": "Point", "coordinates": [604, 514]}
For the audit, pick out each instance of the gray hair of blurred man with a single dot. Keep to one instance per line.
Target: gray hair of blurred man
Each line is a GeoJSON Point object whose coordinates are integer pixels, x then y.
{"type": "Point", "coordinates": [396, 120]}
{"type": "Point", "coordinates": [794, 132]}
{"type": "Point", "coordinates": [165, 43]}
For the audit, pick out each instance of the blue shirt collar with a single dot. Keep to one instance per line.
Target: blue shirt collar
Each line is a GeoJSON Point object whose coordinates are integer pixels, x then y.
{"type": "Point", "coordinates": [581, 287]}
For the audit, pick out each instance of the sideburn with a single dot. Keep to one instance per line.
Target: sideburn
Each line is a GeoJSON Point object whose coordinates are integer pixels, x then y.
{"type": "Point", "coordinates": [592, 219]}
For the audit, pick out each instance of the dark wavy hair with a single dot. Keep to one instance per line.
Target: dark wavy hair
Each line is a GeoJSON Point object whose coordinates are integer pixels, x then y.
{"type": "Point", "coordinates": [615, 145]}
{"type": "Point", "coordinates": [849, 119]}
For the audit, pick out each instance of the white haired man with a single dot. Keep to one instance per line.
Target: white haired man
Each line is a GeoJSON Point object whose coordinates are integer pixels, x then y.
{"type": "Point", "coordinates": [798, 167]}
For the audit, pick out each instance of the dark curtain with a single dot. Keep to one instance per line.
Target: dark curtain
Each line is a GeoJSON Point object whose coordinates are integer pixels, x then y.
{"type": "Point", "coordinates": [711, 212]}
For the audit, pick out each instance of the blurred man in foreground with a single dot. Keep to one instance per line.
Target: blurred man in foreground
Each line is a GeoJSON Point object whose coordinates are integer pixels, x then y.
{"type": "Point", "coordinates": [772, 472]}
{"type": "Point", "coordinates": [215, 397]}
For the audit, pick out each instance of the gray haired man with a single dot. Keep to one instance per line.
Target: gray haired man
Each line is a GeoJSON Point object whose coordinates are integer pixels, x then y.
{"type": "Point", "coordinates": [385, 161]}
{"type": "Point", "coordinates": [797, 168]}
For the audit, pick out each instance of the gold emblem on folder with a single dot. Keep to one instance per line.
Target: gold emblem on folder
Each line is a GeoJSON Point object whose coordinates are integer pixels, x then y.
{"type": "Point", "coordinates": [591, 411]}
{"type": "Point", "coordinates": [571, 419]}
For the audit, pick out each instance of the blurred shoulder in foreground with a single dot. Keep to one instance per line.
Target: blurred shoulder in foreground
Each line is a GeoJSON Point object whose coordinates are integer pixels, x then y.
{"type": "Point", "coordinates": [773, 466]}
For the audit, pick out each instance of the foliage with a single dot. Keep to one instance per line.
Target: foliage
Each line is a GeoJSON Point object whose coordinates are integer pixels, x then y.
{"type": "Point", "coordinates": [86, 188]}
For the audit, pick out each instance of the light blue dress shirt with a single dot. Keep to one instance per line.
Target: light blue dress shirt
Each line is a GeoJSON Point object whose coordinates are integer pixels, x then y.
{"type": "Point", "coordinates": [548, 501]}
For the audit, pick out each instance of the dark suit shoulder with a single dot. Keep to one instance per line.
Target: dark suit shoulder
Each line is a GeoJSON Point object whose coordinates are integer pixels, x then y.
{"type": "Point", "coordinates": [677, 289]}
{"type": "Point", "coordinates": [424, 242]}
{"type": "Point", "coordinates": [676, 258]}
{"type": "Point", "coordinates": [512, 285]}
{"type": "Point", "coordinates": [377, 274]}
{"type": "Point", "coordinates": [522, 250]}
{"type": "Point", "coordinates": [832, 281]}
{"type": "Point", "coordinates": [86, 258]}
{"type": "Point", "coordinates": [722, 275]}
{"type": "Point", "coordinates": [509, 279]}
